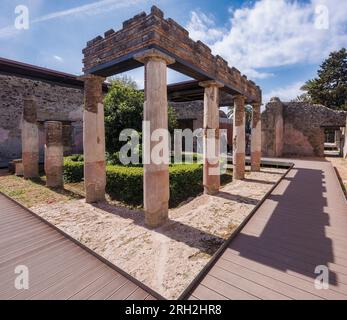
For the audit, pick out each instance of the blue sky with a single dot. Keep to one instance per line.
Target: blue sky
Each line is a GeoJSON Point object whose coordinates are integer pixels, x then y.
{"type": "Point", "coordinates": [277, 43]}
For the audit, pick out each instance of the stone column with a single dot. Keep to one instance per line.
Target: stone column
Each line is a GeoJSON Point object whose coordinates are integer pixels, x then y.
{"type": "Point", "coordinates": [54, 154]}
{"type": "Point", "coordinates": [94, 139]}
{"type": "Point", "coordinates": [256, 138]}
{"type": "Point", "coordinates": [156, 176]}
{"type": "Point", "coordinates": [30, 139]}
{"type": "Point", "coordinates": [67, 139]}
{"type": "Point", "coordinates": [211, 178]}
{"type": "Point", "coordinates": [239, 137]}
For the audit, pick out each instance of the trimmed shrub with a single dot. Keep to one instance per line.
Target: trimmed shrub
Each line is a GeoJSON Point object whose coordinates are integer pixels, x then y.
{"type": "Point", "coordinates": [76, 157]}
{"type": "Point", "coordinates": [185, 182]}
{"type": "Point", "coordinates": [125, 183]}
{"type": "Point", "coordinates": [73, 169]}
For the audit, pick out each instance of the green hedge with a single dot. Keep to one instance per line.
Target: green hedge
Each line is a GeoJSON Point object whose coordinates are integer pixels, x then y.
{"type": "Point", "coordinates": [73, 169]}
{"type": "Point", "coordinates": [125, 183]}
{"type": "Point", "coordinates": [185, 182]}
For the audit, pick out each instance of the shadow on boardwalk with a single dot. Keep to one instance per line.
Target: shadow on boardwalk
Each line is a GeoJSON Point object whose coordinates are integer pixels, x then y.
{"type": "Point", "coordinates": [295, 229]}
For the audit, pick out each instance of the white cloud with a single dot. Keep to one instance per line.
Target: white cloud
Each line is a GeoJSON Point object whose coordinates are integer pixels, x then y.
{"type": "Point", "coordinates": [58, 58]}
{"type": "Point", "coordinates": [93, 8]}
{"type": "Point", "coordinates": [202, 27]}
{"type": "Point", "coordinates": [274, 33]}
{"type": "Point", "coordinates": [285, 93]}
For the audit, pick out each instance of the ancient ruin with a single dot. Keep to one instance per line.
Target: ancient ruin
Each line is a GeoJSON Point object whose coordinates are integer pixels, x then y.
{"type": "Point", "coordinates": [158, 43]}
{"type": "Point", "coordinates": [297, 128]}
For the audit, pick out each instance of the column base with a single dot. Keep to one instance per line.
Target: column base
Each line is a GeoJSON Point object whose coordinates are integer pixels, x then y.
{"type": "Point", "coordinates": [239, 166]}
{"type": "Point", "coordinates": [211, 189]}
{"type": "Point", "coordinates": [156, 197]}
{"type": "Point", "coordinates": [156, 219]}
{"type": "Point", "coordinates": [95, 181]}
{"type": "Point", "coordinates": [55, 178]}
{"type": "Point", "coordinates": [30, 165]}
{"type": "Point", "coordinates": [255, 160]}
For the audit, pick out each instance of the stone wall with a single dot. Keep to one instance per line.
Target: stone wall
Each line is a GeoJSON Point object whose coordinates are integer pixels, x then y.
{"type": "Point", "coordinates": [54, 102]}
{"type": "Point", "coordinates": [194, 110]}
{"type": "Point", "coordinates": [297, 128]}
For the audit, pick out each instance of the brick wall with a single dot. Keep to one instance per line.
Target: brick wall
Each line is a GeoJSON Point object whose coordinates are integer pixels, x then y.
{"type": "Point", "coordinates": [143, 31]}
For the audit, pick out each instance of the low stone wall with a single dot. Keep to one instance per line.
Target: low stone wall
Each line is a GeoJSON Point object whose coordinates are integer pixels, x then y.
{"type": "Point", "coordinates": [297, 128]}
{"type": "Point", "coordinates": [54, 102]}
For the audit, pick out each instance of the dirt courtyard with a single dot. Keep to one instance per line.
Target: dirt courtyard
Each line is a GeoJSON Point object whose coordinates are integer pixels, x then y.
{"type": "Point", "coordinates": [168, 258]}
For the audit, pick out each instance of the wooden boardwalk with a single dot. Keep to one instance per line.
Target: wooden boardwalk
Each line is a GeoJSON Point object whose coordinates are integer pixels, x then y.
{"type": "Point", "coordinates": [303, 224]}
{"type": "Point", "coordinates": [58, 267]}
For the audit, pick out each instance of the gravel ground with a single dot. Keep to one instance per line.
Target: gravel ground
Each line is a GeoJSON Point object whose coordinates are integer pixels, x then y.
{"type": "Point", "coordinates": [168, 258]}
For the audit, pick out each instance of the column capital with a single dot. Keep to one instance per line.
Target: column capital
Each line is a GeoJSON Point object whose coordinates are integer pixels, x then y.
{"type": "Point", "coordinates": [239, 98]}
{"type": "Point", "coordinates": [91, 76]}
{"type": "Point", "coordinates": [153, 54]}
{"type": "Point", "coordinates": [256, 105]}
{"type": "Point", "coordinates": [211, 83]}
{"type": "Point", "coordinates": [54, 133]}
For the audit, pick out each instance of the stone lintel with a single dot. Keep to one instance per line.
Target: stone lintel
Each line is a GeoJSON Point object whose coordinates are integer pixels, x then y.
{"type": "Point", "coordinates": [153, 54]}
{"type": "Point", "coordinates": [211, 83]}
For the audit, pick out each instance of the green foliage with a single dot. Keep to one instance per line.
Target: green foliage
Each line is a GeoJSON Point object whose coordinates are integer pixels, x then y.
{"type": "Point", "coordinates": [113, 159]}
{"type": "Point", "coordinates": [124, 110]}
{"type": "Point", "coordinates": [76, 157]}
{"type": "Point", "coordinates": [73, 169]}
{"type": "Point", "coordinates": [185, 182]}
{"type": "Point", "coordinates": [330, 87]}
{"type": "Point", "coordinates": [303, 98]}
{"type": "Point", "coordinates": [173, 124]}
{"type": "Point", "coordinates": [125, 183]}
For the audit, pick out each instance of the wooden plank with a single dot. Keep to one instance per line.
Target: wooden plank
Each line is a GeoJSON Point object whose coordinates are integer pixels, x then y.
{"type": "Point", "coordinates": [58, 267]}
{"type": "Point", "coordinates": [301, 225]}
{"type": "Point", "coordinates": [247, 285]}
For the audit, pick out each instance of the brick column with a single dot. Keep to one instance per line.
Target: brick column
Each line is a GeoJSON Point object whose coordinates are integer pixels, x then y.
{"type": "Point", "coordinates": [211, 179]}
{"type": "Point", "coordinates": [256, 138]}
{"type": "Point", "coordinates": [156, 176]}
{"type": "Point", "coordinates": [239, 138]}
{"type": "Point", "coordinates": [54, 154]}
{"type": "Point", "coordinates": [30, 139]}
{"type": "Point", "coordinates": [94, 139]}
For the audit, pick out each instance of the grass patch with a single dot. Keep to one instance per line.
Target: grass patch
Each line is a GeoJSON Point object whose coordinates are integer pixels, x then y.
{"type": "Point", "coordinates": [31, 193]}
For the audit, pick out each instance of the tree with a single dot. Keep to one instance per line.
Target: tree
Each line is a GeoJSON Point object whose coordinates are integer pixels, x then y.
{"type": "Point", "coordinates": [330, 87]}
{"type": "Point", "coordinates": [124, 110]}
{"type": "Point", "coordinates": [303, 98]}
